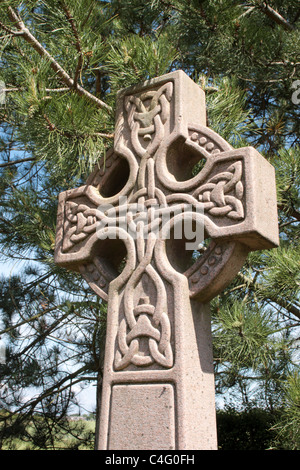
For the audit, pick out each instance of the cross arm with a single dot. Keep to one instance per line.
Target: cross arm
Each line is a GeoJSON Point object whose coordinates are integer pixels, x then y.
{"type": "Point", "coordinates": [78, 245]}
{"type": "Point", "coordinates": [254, 227]}
{"type": "Point", "coordinates": [235, 189]}
{"type": "Point", "coordinates": [236, 194]}
{"type": "Point", "coordinates": [254, 222]}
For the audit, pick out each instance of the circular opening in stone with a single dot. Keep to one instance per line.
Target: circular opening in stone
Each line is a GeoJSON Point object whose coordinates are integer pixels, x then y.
{"type": "Point", "coordinates": [113, 255]}
{"type": "Point", "coordinates": [183, 161]}
{"type": "Point", "coordinates": [202, 247]}
{"type": "Point", "coordinates": [115, 178]}
{"type": "Point", "coordinates": [183, 252]}
{"type": "Point", "coordinates": [198, 167]}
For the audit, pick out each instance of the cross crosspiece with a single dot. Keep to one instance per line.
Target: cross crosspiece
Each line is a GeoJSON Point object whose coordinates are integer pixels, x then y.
{"type": "Point", "coordinates": [126, 232]}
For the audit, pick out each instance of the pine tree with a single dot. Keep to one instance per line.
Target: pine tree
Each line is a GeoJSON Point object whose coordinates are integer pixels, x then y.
{"type": "Point", "coordinates": [62, 63]}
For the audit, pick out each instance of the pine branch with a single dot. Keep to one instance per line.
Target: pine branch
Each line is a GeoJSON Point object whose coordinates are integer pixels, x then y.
{"type": "Point", "coordinates": [52, 127]}
{"type": "Point", "coordinates": [28, 320]}
{"type": "Point", "coordinates": [15, 162]}
{"type": "Point", "coordinates": [26, 34]}
{"type": "Point", "coordinates": [43, 335]}
{"type": "Point", "coordinates": [253, 285]}
{"type": "Point", "coordinates": [249, 10]}
{"type": "Point", "coordinates": [48, 90]}
{"type": "Point", "coordinates": [77, 43]}
{"type": "Point", "coordinates": [57, 388]}
{"type": "Point", "coordinates": [10, 31]}
{"type": "Point", "coordinates": [275, 16]}
{"type": "Point", "coordinates": [291, 211]}
{"type": "Point", "coordinates": [88, 15]}
{"type": "Point", "coordinates": [286, 305]}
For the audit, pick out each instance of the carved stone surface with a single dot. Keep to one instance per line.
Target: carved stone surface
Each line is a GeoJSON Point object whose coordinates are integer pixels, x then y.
{"type": "Point", "coordinates": [124, 231]}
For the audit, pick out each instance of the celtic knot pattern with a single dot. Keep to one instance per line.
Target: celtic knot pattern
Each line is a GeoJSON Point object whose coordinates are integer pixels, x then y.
{"type": "Point", "coordinates": [144, 321]}
{"type": "Point", "coordinates": [144, 334]}
{"type": "Point", "coordinates": [222, 194]}
{"type": "Point", "coordinates": [80, 222]}
{"type": "Point", "coordinates": [147, 114]}
{"type": "Point", "coordinates": [167, 177]}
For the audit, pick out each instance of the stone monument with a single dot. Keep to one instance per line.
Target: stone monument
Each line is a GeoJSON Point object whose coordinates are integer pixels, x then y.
{"type": "Point", "coordinates": [169, 186]}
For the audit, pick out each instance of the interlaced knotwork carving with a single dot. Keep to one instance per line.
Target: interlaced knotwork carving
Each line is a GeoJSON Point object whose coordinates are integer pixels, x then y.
{"type": "Point", "coordinates": [147, 115]}
{"type": "Point", "coordinates": [80, 222]}
{"type": "Point", "coordinates": [222, 194]}
{"type": "Point", "coordinates": [145, 332]}
{"type": "Point", "coordinates": [144, 321]}
{"type": "Point", "coordinates": [166, 168]}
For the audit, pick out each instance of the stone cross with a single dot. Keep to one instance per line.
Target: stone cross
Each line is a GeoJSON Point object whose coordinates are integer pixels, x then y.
{"type": "Point", "coordinates": [123, 231]}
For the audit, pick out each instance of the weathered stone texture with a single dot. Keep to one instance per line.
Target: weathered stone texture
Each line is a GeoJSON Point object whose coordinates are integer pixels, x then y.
{"type": "Point", "coordinates": [158, 384]}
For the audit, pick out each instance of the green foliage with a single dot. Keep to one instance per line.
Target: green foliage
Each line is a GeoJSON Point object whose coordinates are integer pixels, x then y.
{"type": "Point", "coordinates": [287, 168]}
{"type": "Point", "coordinates": [227, 111]}
{"type": "Point", "coordinates": [134, 59]}
{"type": "Point", "coordinates": [288, 426]}
{"type": "Point", "coordinates": [248, 429]}
{"type": "Point", "coordinates": [281, 274]}
{"type": "Point", "coordinates": [58, 121]}
{"type": "Point", "coordinates": [242, 332]}
{"type": "Point", "coordinates": [41, 432]}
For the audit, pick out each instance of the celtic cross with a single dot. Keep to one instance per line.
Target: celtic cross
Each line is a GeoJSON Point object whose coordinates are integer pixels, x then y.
{"type": "Point", "coordinates": [168, 183]}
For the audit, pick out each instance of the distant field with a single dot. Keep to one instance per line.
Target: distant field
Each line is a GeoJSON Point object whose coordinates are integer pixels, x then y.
{"type": "Point", "coordinates": [81, 439]}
